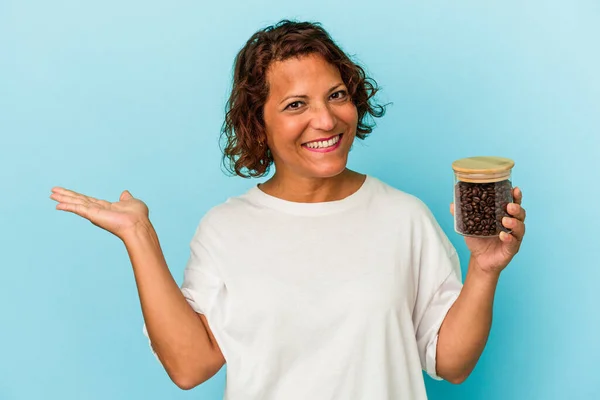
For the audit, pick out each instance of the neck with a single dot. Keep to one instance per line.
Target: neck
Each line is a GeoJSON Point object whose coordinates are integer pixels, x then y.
{"type": "Point", "coordinates": [302, 189]}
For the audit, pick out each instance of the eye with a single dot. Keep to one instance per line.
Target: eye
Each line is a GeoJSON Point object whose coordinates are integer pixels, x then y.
{"type": "Point", "coordinates": [340, 94]}
{"type": "Point", "coordinates": [293, 106]}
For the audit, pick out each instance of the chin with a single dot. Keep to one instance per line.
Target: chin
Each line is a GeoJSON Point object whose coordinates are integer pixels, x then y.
{"type": "Point", "coordinates": [328, 171]}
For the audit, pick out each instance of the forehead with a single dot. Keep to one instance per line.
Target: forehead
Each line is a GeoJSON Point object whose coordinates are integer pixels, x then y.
{"type": "Point", "coordinates": [301, 74]}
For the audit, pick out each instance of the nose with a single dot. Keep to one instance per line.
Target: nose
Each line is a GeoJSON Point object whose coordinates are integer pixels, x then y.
{"type": "Point", "coordinates": [323, 118]}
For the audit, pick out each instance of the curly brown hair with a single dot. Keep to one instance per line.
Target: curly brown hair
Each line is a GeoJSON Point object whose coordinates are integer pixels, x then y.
{"type": "Point", "coordinates": [246, 153]}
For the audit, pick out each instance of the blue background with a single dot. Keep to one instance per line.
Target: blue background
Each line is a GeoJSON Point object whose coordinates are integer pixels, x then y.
{"type": "Point", "coordinates": [104, 96]}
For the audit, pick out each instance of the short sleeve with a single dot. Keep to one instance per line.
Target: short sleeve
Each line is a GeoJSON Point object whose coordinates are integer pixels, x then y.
{"type": "Point", "coordinates": [201, 280]}
{"type": "Point", "coordinates": [438, 285]}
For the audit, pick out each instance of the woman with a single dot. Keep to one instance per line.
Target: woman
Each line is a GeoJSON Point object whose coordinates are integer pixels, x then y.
{"type": "Point", "coordinates": [320, 283]}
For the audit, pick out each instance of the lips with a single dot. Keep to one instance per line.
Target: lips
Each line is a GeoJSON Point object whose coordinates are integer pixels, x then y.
{"type": "Point", "coordinates": [333, 143]}
{"type": "Point", "coordinates": [323, 139]}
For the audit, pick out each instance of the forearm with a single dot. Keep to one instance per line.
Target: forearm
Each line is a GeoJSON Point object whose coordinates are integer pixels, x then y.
{"type": "Point", "coordinates": [178, 336]}
{"type": "Point", "coordinates": [464, 332]}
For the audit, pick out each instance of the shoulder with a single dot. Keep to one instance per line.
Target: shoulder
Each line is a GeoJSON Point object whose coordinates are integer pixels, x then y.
{"type": "Point", "coordinates": [409, 212]}
{"type": "Point", "coordinates": [234, 211]}
{"type": "Point", "coordinates": [396, 200]}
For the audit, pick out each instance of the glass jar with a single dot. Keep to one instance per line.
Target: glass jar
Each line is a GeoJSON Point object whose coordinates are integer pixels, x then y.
{"type": "Point", "coordinates": [482, 192]}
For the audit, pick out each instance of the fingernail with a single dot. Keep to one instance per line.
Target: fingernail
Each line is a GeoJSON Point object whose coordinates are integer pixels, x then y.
{"type": "Point", "coordinates": [506, 221]}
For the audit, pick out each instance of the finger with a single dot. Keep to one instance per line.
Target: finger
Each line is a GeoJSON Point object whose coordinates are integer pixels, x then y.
{"type": "Point", "coordinates": [63, 198]}
{"type": "Point", "coordinates": [517, 195]}
{"type": "Point", "coordinates": [66, 192]}
{"type": "Point", "coordinates": [512, 244]}
{"type": "Point", "coordinates": [517, 227]}
{"type": "Point", "coordinates": [517, 211]}
{"type": "Point", "coordinates": [62, 190]}
{"type": "Point", "coordinates": [99, 202]}
{"type": "Point", "coordinates": [78, 209]}
{"type": "Point", "coordinates": [126, 195]}
{"type": "Point", "coordinates": [452, 209]}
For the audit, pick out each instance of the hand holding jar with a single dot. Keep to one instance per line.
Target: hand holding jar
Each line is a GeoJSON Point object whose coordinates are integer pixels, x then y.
{"type": "Point", "coordinates": [487, 210]}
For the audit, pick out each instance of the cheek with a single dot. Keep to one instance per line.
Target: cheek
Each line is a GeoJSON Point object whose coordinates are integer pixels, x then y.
{"type": "Point", "coordinates": [350, 115]}
{"type": "Point", "coordinates": [286, 133]}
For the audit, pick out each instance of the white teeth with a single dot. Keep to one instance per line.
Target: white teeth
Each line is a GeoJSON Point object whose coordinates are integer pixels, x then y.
{"type": "Point", "coordinates": [324, 143]}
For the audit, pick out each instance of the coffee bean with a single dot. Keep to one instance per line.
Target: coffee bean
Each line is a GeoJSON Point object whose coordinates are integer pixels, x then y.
{"type": "Point", "coordinates": [479, 207]}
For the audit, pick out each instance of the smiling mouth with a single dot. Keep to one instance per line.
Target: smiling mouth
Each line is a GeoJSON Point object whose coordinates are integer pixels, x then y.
{"type": "Point", "coordinates": [325, 143]}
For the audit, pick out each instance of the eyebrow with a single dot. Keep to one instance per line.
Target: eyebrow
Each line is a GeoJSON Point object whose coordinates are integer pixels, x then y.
{"type": "Point", "coordinates": [303, 96]}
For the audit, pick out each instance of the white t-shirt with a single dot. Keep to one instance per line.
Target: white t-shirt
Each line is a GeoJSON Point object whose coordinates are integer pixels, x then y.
{"type": "Point", "coordinates": [332, 300]}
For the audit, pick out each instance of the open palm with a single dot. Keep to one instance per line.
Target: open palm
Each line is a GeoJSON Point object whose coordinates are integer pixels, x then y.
{"type": "Point", "coordinates": [119, 218]}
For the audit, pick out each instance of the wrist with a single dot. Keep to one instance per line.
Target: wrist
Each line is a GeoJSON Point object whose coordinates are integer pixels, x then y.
{"type": "Point", "coordinates": [480, 274]}
{"type": "Point", "coordinates": [141, 229]}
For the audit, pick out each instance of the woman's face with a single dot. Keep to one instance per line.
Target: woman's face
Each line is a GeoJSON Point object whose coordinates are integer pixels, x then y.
{"type": "Point", "coordinates": [310, 118]}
